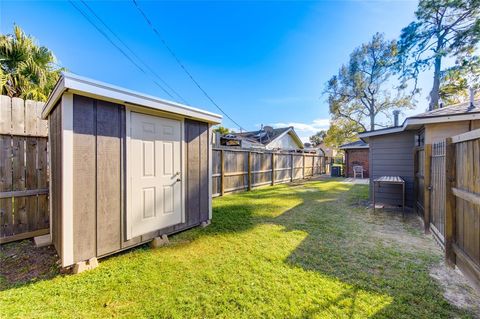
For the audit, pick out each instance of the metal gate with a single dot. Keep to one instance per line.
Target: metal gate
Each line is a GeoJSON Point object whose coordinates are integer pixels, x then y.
{"type": "Point", "coordinates": [419, 180]}
{"type": "Point", "coordinates": [437, 190]}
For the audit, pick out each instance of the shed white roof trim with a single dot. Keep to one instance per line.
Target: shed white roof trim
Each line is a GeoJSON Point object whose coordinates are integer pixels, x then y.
{"type": "Point", "coordinates": [415, 123]}
{"type": "Point", "coordinates": [104, 91]}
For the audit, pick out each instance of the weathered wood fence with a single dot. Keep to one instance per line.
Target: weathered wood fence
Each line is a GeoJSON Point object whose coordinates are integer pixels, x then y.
{"type": "Point", "coordinates": [24, 205]}
{"type": "Point", "coordinates": [462, 204]}
{"type": "Point", "coordinates": [240, 169]}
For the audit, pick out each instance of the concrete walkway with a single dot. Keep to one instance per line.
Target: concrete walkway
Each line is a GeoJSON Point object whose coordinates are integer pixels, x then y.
{"type": "Point", "coordinates": [361, 181]}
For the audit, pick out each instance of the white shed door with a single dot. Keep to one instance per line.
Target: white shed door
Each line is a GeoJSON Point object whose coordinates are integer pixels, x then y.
{"type": "Point", "coordinates": [155, 167]}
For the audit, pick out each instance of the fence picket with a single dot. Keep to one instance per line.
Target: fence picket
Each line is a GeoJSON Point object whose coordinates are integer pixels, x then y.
{"type": "Point", "coordinates": [5, 115]}
{"type": "Point", "coordinates": [466, 221]}
{"type": "Point", "coordinates": [6, 211]}
{"type": "Point", "coordinates": [31, 117]}
{"type": "Point", "coordinates": [18, 116]}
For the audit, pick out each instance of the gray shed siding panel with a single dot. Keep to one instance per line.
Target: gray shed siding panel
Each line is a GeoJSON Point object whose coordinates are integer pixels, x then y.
{"type": "Point", "coordinates": [392, 155]}
{"type": "Point", "coordinates": [55, 134]}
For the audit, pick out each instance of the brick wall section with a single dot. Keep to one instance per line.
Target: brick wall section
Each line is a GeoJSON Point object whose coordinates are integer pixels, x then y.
{"type": "Point", "coordinates": [355, 157]}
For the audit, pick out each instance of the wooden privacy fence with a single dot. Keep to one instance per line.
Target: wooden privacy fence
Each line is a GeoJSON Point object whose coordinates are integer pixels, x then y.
{"type": "Point", "coordinates": [462, 203]}
{"type": "Point", "coordinates": [240, 169]}
{"type": "Point", "coordinates": [23, 170]}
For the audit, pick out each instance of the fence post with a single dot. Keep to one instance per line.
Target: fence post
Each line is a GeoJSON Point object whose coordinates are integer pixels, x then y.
{"type": "Point", "coordinates": [291, 167]}
{"type": "Point", "coordinates": [427, 187]}
{"type": "Point", "coordinates": [222, 173]}
{"type": "Point", "coordinates": [303, 166]}
{"type": "Point", "coordinates": [249, 171]}
{"type": "Point", "coordinates": [450, 202]}
{"type": "Point", "coordinates": [273, 168]}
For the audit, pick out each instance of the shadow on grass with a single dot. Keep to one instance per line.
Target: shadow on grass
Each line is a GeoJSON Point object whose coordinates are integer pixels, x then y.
{"type": "Point", "coordinates": [338, 245]}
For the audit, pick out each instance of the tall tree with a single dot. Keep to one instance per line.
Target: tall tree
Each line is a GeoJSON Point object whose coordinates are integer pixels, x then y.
{"type": "Point", "coordinates": [456, 81]}
{"type": "Point", "coordinates": [317, 138]}
{"type": "Point", "coordinates": [442, 28]}
{"type": "Point", "coordinates": [341, 131]}
{"type": "Point", "coordinates": [27, 69]}
{"type": "Point", "coordinates": [362, 88]}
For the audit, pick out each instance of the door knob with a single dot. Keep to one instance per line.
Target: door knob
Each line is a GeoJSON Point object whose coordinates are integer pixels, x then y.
{"type": "Point", "coordinates": [179, 179]}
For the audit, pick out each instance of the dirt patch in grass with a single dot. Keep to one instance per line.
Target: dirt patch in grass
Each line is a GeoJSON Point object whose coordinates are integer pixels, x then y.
{"type": "Point", "coordinates": [22, 262]}
{"type": "Point", "coordinates": [407, 234]}
{"type": "Point", "coordinates": [457, 290]}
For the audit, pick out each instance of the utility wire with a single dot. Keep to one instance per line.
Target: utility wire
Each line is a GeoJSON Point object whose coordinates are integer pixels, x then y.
{"type": "Point", "coordinates": [150, 24]}
{"type": "Point", "coordinates": [133, 53]}
{"type": "Point", "coordinates": [117, 47]}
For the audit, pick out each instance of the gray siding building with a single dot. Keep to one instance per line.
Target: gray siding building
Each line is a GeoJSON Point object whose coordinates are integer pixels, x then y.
{"type": "Point", "coordinates": [392, 155]}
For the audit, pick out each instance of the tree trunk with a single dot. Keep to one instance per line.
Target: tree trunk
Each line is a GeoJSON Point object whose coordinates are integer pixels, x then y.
{"type": "Point", "coordinates": [372, 122]}
{"type": "Point", "coordinates": [435, 92]}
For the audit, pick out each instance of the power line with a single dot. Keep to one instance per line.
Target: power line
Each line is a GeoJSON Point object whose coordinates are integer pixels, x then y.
{"type": "Point", "coordinates": [133, 53]}
{"type": "Point", "coordinates": [150, 24]}
{"type": "Point", "coordinates": [118, 48]}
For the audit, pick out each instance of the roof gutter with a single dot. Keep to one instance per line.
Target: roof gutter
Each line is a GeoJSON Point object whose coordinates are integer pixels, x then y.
{"type": "Point", "coordinates": [413, 121]}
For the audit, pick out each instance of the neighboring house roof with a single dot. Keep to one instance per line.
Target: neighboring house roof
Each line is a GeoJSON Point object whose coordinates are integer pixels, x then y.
{"type": "Point", "coordinates": [354, 145]}
{"type": "Point", "coordinates": [456, 109]}
{"type": "Point", "coordinates": [327, 151]}
{"type": "Point", "coordinates": [313, 149]}
{"type": "Point", "coordinates": [266, 137]}
{"type": "Point", "coordinates": [453, 113]}
{"type": "Point", "coordinates": [84, 86]}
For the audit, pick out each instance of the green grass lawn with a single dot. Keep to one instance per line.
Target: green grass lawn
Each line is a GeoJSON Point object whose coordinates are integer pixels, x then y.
{"type": "Point", "coordinates": [288, 251]}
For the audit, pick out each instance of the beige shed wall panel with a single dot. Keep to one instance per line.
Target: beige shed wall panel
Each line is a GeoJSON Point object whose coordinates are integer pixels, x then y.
{"type": "Point", "coordinates": [436, 132]}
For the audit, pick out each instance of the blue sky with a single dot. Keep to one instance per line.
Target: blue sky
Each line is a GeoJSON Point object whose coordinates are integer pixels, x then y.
{"type": "Point", "coordinates": [263, 62]}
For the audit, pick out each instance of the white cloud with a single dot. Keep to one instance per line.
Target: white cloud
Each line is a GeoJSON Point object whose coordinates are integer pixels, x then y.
{"type": "Point", "coordinates": [305, 130]}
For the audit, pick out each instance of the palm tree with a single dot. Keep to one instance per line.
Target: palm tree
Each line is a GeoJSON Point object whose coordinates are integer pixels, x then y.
{"type": "Point", "coordinates": [27, 70]}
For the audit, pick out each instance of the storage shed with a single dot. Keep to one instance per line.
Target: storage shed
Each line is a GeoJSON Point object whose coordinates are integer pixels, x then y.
{"type": "Point", "coordinates": [125, 167]}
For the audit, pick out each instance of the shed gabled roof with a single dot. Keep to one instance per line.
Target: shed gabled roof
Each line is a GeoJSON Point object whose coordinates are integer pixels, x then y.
{"type": "Point", "coordinates": [354, 145]}
{"type": "Point", "coordinates": [104, 91]}
{"type": "Point", "coordinates": [452, 113]}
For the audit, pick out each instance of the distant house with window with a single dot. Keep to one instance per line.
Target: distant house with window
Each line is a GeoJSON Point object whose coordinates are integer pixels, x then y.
{"type": "Point", "coordinates": [268, 138]}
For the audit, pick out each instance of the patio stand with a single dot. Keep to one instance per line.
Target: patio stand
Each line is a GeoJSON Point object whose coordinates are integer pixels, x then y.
{"type": "Point", "coordinates": [397, 180]}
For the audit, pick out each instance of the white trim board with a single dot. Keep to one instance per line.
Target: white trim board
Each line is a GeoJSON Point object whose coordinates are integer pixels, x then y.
{"type": "Point", "coordinates": [413, 123]}
{"type": "Point", "coordinates": [104, 91]}
{"type": "Point", "coordinates": [67, 179]}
